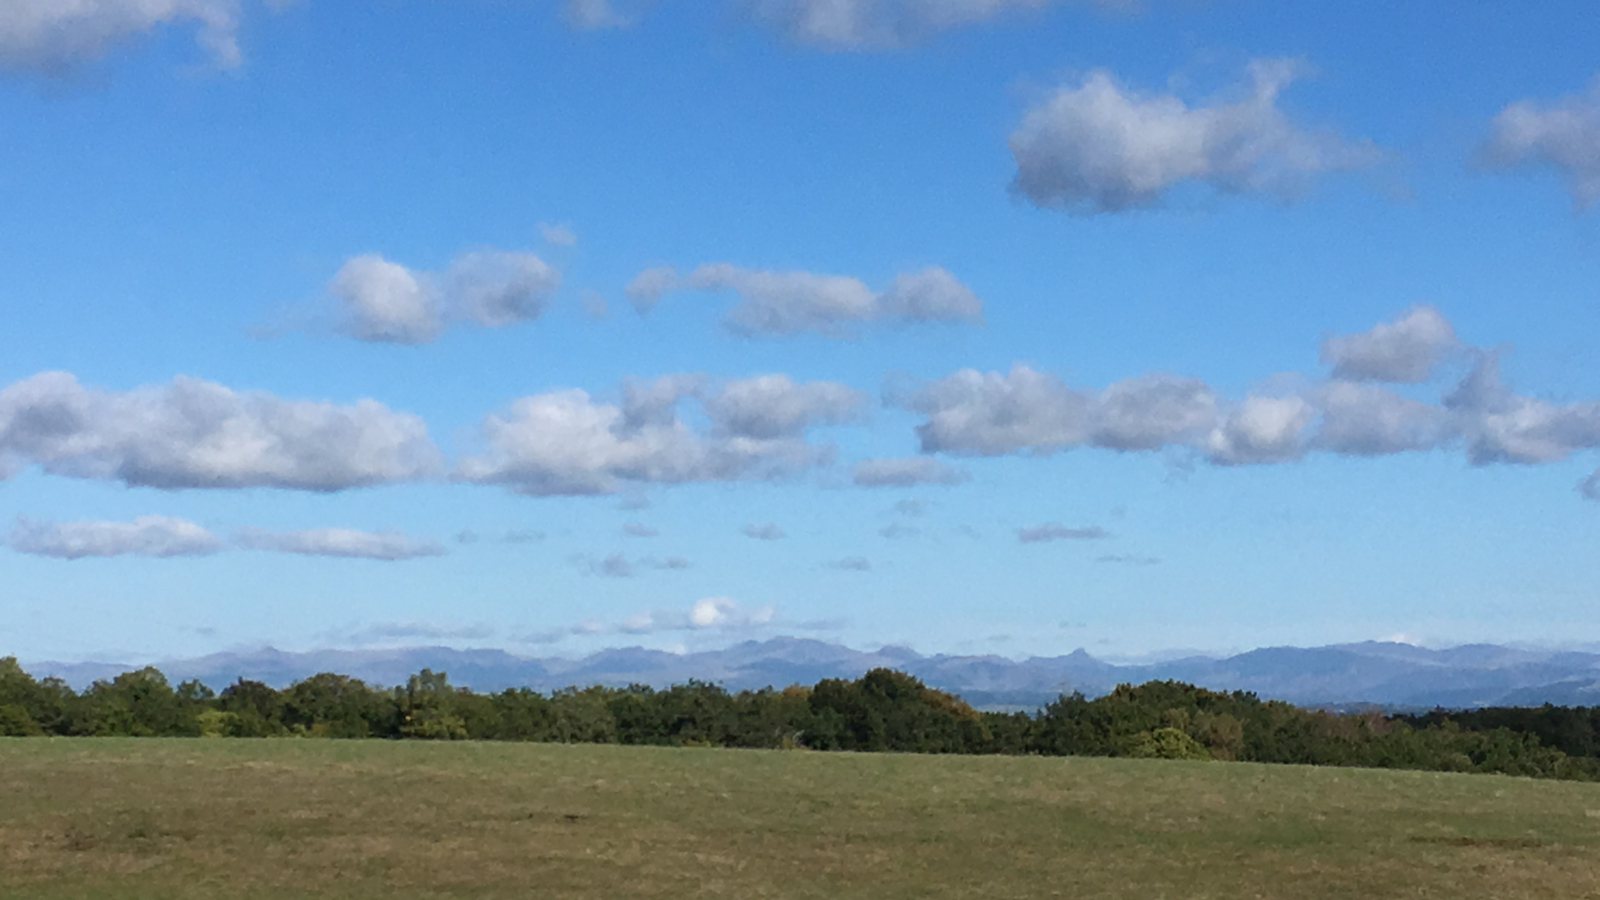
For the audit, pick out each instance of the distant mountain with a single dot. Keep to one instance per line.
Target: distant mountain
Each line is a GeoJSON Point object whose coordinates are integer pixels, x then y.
{"type": "Point", "coordinates": [1384, 674]}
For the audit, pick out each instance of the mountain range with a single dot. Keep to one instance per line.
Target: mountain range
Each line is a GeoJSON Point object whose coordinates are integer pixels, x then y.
{"type": "Point", "coordinates": [1390, 675]}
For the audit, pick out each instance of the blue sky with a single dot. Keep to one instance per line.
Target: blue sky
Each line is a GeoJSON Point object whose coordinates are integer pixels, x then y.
{"type": "Point", "coordinates": [1004, 326]}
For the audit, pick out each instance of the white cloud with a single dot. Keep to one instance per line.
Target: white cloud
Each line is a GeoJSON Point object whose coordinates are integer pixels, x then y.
{"type": "Point", "coordinates": [1055, 531]}
{"type": "Point", "coordinates": [767, 532]}
{"type": "Point", "coordinates": [1101, 147]}
{"type": "Point", "coordinates": [1365, 420]}
{"type": "Point", "coordinates": [647, 287]}
{"type": "Point", "coordinates": [774, 406]}
{"type": "Point", "coordinates": [1027, 411]}
{"type": "Point", "coordinates": [496, 288]}
{"type": "Point", "coordinates": [1406, 350]}
{"type": "Point", "coordinates": [1563, 134]}
{"type": "Point", "coordinates": [53, 36]}
{"type": "Point", "coordinates": [144, 536]}
{"type": "Point", "coordinates": [897, 530]}
{"type": "Point", "coordinates": [1152, 411]}
{"type": "Point", "coordinates": [1262, 430]}
{"type": "Point", "coordinates": [906, 472]}
{"type": "Point", "coordinates": [989, 413]}
{"type": "Point", "coordinates": [640, 530]}
{"type": "Point", "coordinates": [776, 303]}
{"type": "Point", "coordinates": [385, 302]}
{"type": "Point", "coordinates": [1590, 487]}
{"type": "Point", "coordinates": [197, 434]}
{"type": "Point", "coordinates": [930, 295]}
{"type": "Point", "coordinates": [870, 24]}
{"type": "Point", "coordinates": [566, 442]}
{"type": "Point", "coordinates": [853, 564]}
{"type": "Point", "coordinates": [705, 614]}
{"type": "Point", "coordinates": [1501, 426]}
{"type": "Point", "coordinates": [343, 542]}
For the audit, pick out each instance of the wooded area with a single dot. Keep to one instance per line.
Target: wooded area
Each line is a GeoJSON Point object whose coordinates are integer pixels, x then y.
{"type": "Point", "coordinates": [883, 710]}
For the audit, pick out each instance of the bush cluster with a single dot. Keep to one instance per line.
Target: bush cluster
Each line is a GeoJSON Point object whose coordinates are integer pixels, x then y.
{"type": "Point", "coordinates": [883, 710]}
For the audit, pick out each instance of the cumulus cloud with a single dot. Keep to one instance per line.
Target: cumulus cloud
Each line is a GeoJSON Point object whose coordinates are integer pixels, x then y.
{"type": "Point", "coordinates": [852, 564]}
{"type": "Point", "coordinates": [906, 472]}
{"type": "Point", "coordinates": [144, 536]}
{"type": "Point", "coordinates": [1502, 426]}
{"type": "Point", "coordinates": [1365, 420]}
{"type": "Point", "coordinates": [1405, 350]}
{"type": "Point", "coordinates": [1027, 411]}
{"type": "Point", "coordinates": [1262, 430]}
{"type": "Point", "coordinates": [196, 434]}
{"type": "Point", "coordinates": [1590, 487]}
{"type": "Point", "coordinates": [1055, 531]}
{"type": "Point", "coordinates": [567, 442]}
{"type": "Point", "coordinates": [385, 302]}
{"type": "Point", "coordinates": [874, 24]}
{"type": "Point", "coordinates": [343, 542]}
{"type": "Point", "coordinates": [1563, 134]}
{"type": "Point", "coordinates": [53, 36]}
{"type": "Point", "coordinates": [778, 303]}
{"type": "Point", "coordinates": [705, 614]}
{"type": "Point", "coordinates": [767, 532]}
{"type": "Point", "coordinates": [1101, 147]}
{"type": "Point", "coordinates": [896, 530]}
{"type": "Point", "coordinates": [989, 413]}
{"type": "Point", "coordinates": [639, 529]}
{"type": "Point", "coordinates": [773, 406]}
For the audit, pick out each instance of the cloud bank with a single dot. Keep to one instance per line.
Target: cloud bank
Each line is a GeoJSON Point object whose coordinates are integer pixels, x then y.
{"type": "Point", "coordinates": [159, 536]}
{"type": "Point", "coordinates": [1101, 147]}
{"type": "Point", "coordinates": [197, 434]}
{"type": "Point", "coordinates": [1031, 412]}
{"type": "Point", "coordinates": [780, 303]}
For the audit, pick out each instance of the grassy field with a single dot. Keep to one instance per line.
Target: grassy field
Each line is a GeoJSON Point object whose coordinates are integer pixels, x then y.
{"type": "Point", "coordinates": [113, 818]}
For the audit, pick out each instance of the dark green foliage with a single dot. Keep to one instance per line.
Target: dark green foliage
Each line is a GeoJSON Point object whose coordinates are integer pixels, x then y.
{"type": "Point", "coordinates": [889, 710]}
{"type": "Point", "coordinates": [883, 710]}
{"type": "Point", "coordinates": [136, 704]}
{"type": "Point", "coordinates": [338, 706]}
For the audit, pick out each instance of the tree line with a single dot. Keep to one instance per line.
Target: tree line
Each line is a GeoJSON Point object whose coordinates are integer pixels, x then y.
{"type": "Point", "coordinates": [883, 710]}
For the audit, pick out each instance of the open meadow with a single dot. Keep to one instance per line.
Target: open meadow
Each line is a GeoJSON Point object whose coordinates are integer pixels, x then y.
{"type": "Point", "coordinates": [149, 818]}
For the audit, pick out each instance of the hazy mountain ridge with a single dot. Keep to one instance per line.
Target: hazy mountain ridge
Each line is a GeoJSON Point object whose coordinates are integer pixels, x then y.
{"type": "Point", "coordinates": [1373, 672]}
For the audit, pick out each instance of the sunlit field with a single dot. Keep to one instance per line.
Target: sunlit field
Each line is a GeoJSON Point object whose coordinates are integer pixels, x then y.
{"type": "Point", "coordinates": [142, 818]}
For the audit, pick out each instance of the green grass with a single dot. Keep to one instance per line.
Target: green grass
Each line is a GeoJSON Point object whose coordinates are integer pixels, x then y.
{"type": "Point", "coordinates": [116, 818]}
